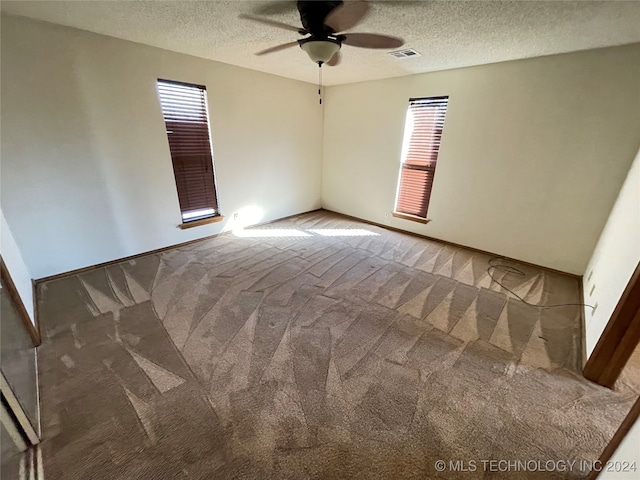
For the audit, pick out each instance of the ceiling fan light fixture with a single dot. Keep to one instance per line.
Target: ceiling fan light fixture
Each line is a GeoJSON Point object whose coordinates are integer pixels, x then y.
{"type": "Point", "coordinates": [320, 51]}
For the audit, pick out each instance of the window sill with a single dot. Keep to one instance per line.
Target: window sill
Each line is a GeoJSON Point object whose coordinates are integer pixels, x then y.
{"type": "Point", "coordinates": [203, 221]}
{"type": "Point", "coordinates": [412, 218]}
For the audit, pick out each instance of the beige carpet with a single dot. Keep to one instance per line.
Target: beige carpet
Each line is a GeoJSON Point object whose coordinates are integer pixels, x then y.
{"type": "Point", "coordinates": [314, 347]}
{"type": "Point", "coordinates": [630, 377]}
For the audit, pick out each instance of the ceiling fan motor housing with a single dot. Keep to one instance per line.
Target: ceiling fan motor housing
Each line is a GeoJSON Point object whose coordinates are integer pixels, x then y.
{"type": "Point", "coordinates": [313, 14]}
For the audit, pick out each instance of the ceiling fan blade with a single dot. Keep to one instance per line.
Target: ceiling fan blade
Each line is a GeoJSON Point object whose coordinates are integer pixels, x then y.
{"type": "Point", "coordinates": [347, 15]}
{"type": "Point", "coordinates": [272, 23]}
{"type": "Point", "coordinates": [372, 40]}
{"type": "Point", "coordinates": [277, 48]}
{"type": "Point", "coordinates": [335, 60]}
{"type": "Point", "coordinates": [275, 7]}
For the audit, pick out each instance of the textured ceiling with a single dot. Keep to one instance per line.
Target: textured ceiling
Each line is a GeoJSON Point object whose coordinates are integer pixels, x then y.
{"type": "Point", "coordinates": [447, 34]}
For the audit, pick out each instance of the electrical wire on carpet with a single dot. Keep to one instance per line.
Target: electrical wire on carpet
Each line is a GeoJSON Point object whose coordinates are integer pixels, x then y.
{"type": "Point", "coordinates": [507, 269]}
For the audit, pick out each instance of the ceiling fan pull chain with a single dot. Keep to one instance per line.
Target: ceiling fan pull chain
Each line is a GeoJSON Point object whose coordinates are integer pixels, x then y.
{"type": "Point", "coordinates": [320, 81]}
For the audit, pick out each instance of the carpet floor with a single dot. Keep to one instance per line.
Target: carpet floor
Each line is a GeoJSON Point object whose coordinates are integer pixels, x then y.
{"type": "Point", "coordinates": [315, 347]}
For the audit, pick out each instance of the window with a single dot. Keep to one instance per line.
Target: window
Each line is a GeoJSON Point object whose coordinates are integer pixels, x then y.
{"type": "Point", "coordinates": [184, 108]}
{"type": "Point", "coordinates": [422, 135]}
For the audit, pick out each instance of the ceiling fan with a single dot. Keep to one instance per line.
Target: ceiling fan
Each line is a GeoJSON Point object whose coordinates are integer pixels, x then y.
{"type": "Point", "coordinates": [323, 22]}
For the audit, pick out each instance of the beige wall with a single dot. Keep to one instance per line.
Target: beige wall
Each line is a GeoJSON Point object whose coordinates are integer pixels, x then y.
{"type": "Point", "coordinates": [533, 154]}
{"type": "Point", "coordinates": [86, 170]}
{"type": "Point", "coordinates": [614, 259]}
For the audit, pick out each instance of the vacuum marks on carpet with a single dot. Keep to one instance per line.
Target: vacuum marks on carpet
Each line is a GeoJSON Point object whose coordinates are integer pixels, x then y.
{"type": "Point", "coordinates": [315, 347]}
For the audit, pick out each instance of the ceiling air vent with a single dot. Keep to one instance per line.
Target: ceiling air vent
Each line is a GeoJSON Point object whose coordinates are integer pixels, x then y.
{"type": "Point", "coordinates": [406, 53]}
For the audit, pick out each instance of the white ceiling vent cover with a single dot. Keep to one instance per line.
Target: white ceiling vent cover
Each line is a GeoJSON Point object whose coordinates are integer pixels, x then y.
{"type": "Point", "coordinates": [406, 53]}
